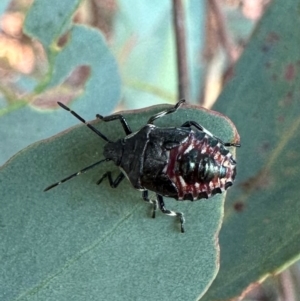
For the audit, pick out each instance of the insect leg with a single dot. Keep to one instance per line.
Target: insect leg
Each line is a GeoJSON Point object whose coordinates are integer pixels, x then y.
{"type": "Point", "coordinates": [122, 119]}
{"type": "Point", "coordinates": [154, 202]}
{"type": "Point", "coordinates": [232, 144]}
{"type": "Point", "coordinates": [112, 183]}
{"type": "Point", "coordinates": [203, 129]}
{"type": "Point", "coordinates": [166, 112]}
{"type": "Point", "coordinates": [196, 125]}
{"type": "Point", "coordinates": [163, 209]}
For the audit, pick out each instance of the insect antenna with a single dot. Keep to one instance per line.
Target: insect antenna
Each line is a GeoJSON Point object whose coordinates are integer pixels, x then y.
{"type": "Point", "coordinates": [83, 121]}
{"type": "Point", "coordinates": [76, 174]}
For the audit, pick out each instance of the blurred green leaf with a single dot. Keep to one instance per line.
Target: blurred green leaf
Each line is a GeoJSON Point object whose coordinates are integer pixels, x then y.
{"type": "Point", "coordinates": [145, 45]}
{"type": "Point", "coordinates": [47, 21]}
{"type": "Point", "coordinates": [85, 46]}
{"type": "Point", "coordinates": [81, 241]}
{"type": "Point", "coordinates": [260, 233]}
{"type": "Point", "coordinates": [196, 14]}
{"type": "Point", "coordinates": [3, 6]}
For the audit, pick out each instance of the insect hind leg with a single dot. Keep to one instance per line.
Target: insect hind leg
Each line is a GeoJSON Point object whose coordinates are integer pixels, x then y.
{"type": "Point", "coordinates": [120, 117]}
{"type": "Point", "coordinates": [113, 183]}
{"type": "Point", "coordinates": [153, 202]}
{"type": "Point", "coordinates": [166, 112]}
{"type": "Point", "coordinates": [204, 130]}
{"type": "Point", "coordinates": [228, 144]}
{"type": "Point", "coordinates": [163, 209]}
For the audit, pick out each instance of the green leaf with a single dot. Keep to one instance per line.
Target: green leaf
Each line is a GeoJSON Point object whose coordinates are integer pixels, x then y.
{"type": "Point", "coordinates": [3, 6]}
{"type": "Point", "coordinates": [149, 67]}
{"type": "Point", "coordinates": [47, 21]}
{"type": "Point", "coordinates": [81, 241]}
{"type": "Point", "coordinates": [85, 46]}
{"type": "Point", "coordinates": [144, 41]}
{"type": "Point", "coordinates": [260, 235]}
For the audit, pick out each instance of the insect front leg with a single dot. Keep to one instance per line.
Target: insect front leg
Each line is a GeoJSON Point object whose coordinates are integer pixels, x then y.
{"type": "Point", "coordinates": [166, 112]}
{"type": "Point", "coordinates": [163, 209]}
{"type": "Point", "coordinates": [154, 202]}
{"type": "Point", "coordinates": [204, 130]}
{"type": "Point", "coordinates": [120, 117]}
{"type": "Point", "coordinates": [112, 183]}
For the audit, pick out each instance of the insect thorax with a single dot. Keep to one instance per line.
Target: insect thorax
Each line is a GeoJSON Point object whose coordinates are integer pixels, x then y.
{"type": "Point", "coordinates": [114, 151]}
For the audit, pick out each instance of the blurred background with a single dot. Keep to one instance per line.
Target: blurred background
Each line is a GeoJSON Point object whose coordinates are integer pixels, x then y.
{"type": "Point", "coordinates": [142, 40]}
{"type": "Point", "coordinates": [138, 68]}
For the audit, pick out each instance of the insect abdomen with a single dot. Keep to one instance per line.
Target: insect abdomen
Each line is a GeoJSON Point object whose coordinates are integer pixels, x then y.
{"type": "Point", "coordinates": [200, 167]}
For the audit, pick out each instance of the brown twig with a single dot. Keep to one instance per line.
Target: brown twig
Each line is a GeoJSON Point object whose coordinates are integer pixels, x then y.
{"type": "Point", "coordinates": [217, 36]}
{"type": "Point", "coordinates": [182, 69]}
{"type": "Point", "coordinates": [222, 32]}
{"type": "Point", "coordinates": [287, 286]}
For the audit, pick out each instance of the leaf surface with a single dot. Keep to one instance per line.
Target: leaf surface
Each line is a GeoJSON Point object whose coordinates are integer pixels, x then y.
{"type": "Point", "coordinates": [81, 241]}
{"type": "Point", "coordinates": [261, 231]}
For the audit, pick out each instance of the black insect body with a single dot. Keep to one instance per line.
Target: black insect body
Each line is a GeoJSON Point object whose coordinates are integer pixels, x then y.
{"type": "Point", "coordinates": [184, 163]}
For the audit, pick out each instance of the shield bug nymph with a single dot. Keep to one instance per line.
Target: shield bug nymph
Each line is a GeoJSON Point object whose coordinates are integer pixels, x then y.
{"type": "Point", "coordinates": [184, 163]}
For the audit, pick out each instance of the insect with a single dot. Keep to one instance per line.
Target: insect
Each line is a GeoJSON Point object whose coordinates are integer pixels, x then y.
{"type": "Point", "coordinates": [184, 163]}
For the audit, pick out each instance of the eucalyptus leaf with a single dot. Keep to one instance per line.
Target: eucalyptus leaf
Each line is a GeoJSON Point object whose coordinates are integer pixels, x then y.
{"type": "Point", "coordinates": [3, 6]}
{"type": "Point", "coordinates": [47, 21]}
{"type": "Point", "coordinates": [260, 235]}
{"type": "Point", "coordinates": [145, 42]}
{"type": "Point", "coordinates": [85, 46]}
{"type": "Point", "coordinates": [80, 241]}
